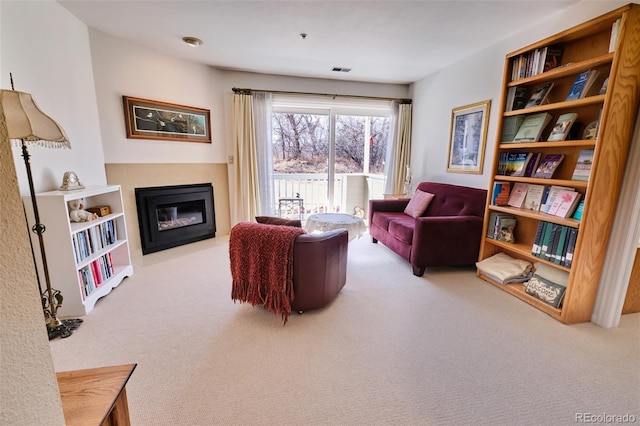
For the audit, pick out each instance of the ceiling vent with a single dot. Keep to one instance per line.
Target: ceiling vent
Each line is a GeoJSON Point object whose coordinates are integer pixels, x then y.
{"type": "Point", "coordinates": [340, 69]}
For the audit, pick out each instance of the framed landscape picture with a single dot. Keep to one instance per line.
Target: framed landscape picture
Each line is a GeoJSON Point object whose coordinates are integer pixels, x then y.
{"type": "Point", "coordinates": [468, 138]}
{"type": "Point", "coordinates": [147, 119]}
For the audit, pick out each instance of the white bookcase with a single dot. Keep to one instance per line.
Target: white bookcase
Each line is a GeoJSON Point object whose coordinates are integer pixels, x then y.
{"type": "Point", "coordinates": [86, 260]}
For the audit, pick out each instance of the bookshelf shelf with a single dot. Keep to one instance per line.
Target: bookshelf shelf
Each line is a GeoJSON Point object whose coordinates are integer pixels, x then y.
{"type": "Point", "coordinates": [86, 259]}
{"type": "Point", "coordinates": [564, 71]}
{"type": "Point", "coordinates": [584, 47]}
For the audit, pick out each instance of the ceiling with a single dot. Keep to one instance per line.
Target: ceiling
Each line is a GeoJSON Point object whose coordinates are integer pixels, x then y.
{"type": "Point", "coordinates": [393, 41]}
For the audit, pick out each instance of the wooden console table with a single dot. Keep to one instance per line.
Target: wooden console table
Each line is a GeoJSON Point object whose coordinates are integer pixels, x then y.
{"type": "Point", "coordinates": [95, 396]}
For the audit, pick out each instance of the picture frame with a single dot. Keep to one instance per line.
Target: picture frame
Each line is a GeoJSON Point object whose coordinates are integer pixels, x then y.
{"type": "Point", "coordinates": [468, 138]}
{"type": "Point", "coordinates": [148, 119]}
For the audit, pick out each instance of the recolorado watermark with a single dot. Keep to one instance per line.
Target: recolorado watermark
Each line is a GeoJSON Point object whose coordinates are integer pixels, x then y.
{"type": "Point", "coordinates": [605, 418]}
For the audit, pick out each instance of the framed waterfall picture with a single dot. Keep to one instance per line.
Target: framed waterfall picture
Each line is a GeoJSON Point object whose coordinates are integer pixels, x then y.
{"type": "Point", "coordinates": [468, 138]}
{"type": "Point", "coordinates": [147, 119]}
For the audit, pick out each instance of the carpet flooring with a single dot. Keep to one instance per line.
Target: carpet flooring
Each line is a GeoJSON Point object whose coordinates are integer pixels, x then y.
{"type": "Point", "coordinates": [392, 349]}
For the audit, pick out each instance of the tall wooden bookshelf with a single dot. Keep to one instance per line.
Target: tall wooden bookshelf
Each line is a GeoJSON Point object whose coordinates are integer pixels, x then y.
{"type": "Point", "coordinates": [584, 47]}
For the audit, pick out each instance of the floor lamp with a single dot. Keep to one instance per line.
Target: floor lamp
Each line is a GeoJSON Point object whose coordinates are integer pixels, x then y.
{"type": "Point", "coordinates": [29, 125]}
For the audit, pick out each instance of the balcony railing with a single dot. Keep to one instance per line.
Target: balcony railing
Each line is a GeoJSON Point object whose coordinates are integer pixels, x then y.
{"type": "Point", "coordinates": [352, 192]}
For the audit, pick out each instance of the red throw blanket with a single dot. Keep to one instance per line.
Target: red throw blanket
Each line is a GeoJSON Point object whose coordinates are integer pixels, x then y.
{"type": "Point", "coordinates": [261, 258]}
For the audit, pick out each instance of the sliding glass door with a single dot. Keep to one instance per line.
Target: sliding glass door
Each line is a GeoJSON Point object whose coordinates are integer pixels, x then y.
{"type": "Point", "coordinates": [330, 156]}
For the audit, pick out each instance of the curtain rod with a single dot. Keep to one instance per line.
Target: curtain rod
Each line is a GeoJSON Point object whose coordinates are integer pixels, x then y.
{"type": "Point", "coordinates": [242, 91]}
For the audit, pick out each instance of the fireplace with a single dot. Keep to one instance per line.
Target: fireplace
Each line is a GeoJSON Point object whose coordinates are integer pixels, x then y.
{"type": "Point", "coordinates": [170, 216]}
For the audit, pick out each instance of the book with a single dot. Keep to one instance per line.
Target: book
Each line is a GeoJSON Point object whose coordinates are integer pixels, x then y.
{"type": "Point", "coordinates": [562, 127]}
{"type": "Point", "coordinates": [502, 163]}
{"type": "Point", "coordinates": [518, 194]}
{"type": "Point", "coordinates": [532, 127]}
{"type": "Point", "coordinates": [539, 96]}
{"type": "Point", "coordinates": [553, 56]}
{"type": "Point", "coordinates": [582, 84]}
{"type": "Point", "coordinates": [551, 195]}
{"type": "Point", "coordinates": [603, 88]}
{"type": "Point", "coordinates": [517, 163]}
{"type": "Point", "coordinates": [505, 226]}
{"type": "Point", "coordinates": [500, 195]}
{"type": "Point", "coordinates": [559, 254]}
{"type": "Point", "coordinates": [510, 127]}
{"type": "Point", "coordinates": [544, 242]}
{"type": "Point", "coordinates": [553, 242]}
{"type": "Point", "coordinates": [564, 203]}
{"type": "Point", "coordinates": [583, 165]}
{"type": "Point", "coordinates": [493, 222]}
{"type": "Point", "coordinates": [533, 164]}
{"type": "Point", "coordinates": [615, 32]}
{"type": "Point", "coordinates": [571, 245]}
{"type": "Point", "coordinates": [535, 248]}
{"type": "Point", "coordinates": [548, 165]}
{"type": "Point", "coordinates": [533, 199]}
{"type": "Point", "coordinates": [577, 215]}
{"type": "Point", "coordinates": [516, 98]}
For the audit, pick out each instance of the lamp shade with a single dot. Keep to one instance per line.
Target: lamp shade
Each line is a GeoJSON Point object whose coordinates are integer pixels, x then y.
{"type": "Point", "coordinates": [25, 120]}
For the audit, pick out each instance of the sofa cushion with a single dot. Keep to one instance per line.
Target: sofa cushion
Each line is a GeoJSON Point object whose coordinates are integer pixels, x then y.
{"type": "Point", "coordinates": [270, 220]}
{"type": "Point", "coordinates": [382, 219]}
{"type": "Point", "coordinates": [418, 203]}
{"type": "Point", "coordinates": [402, 229]}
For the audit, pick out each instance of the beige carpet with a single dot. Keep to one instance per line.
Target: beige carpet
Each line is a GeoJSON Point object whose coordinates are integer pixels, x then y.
{"type": "Point", "coordinates": [393, 349]}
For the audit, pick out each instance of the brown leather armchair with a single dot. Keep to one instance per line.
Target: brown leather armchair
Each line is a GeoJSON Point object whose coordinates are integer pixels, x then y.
{"type": "Point", "coordinates": [318, 266]}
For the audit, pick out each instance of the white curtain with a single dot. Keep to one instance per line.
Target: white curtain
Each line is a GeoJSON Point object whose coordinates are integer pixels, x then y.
{"type": "Point", "coordinates": [264, 151]}
{"type": "Point", "coordinates": [399, 149]}
{"type": "Point", "coordinates": [247, 197]}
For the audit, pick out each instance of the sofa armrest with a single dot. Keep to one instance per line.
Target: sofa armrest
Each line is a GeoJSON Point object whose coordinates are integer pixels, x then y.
{"type": "Point", "coordinates": [395, 205]}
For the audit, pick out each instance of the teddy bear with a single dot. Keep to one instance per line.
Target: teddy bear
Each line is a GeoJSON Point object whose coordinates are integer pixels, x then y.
{"type": "Point", "coordinates": [76, 212]}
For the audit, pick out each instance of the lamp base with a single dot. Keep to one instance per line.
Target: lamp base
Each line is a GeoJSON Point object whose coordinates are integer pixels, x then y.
{"type": "Point", "coordinates": [64, 329]}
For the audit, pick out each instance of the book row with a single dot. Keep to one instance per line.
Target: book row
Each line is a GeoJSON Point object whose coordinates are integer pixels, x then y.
{"type": "Point", "coordinates": [91, 240]}
{"type": "Point", "coordinates": [547, 58]}
{"type": "Point", "coordinates": [556, 200]}
{"type": "Point", "coordinates": [94, 274]}
{"type": "Point", "coordinates": [536, 62]}
{"type": "Point", "coordinates": [530, 128]}
{"type": "Point", "coordinates": [555, 243]}
{"type": "Point", "coordinates": [537, 165]}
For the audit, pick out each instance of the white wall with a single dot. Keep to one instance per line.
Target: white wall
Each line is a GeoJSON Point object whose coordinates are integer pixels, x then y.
{"type": "Point", "coordinates": [47, 50]}
{"type": "Point", "coordinates": [124, 68]}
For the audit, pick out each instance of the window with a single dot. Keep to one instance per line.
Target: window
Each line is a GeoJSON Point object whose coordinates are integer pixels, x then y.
{"type": "Point", "coordinates": [330, 153]}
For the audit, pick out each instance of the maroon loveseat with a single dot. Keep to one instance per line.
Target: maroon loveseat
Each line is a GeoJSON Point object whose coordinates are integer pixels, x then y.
{"type": "Point", "coordinates": [447, 234]}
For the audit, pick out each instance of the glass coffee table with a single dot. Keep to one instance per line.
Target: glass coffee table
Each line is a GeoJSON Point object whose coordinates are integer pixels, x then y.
{"type": "Point", "coordinates": [321, 222]}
